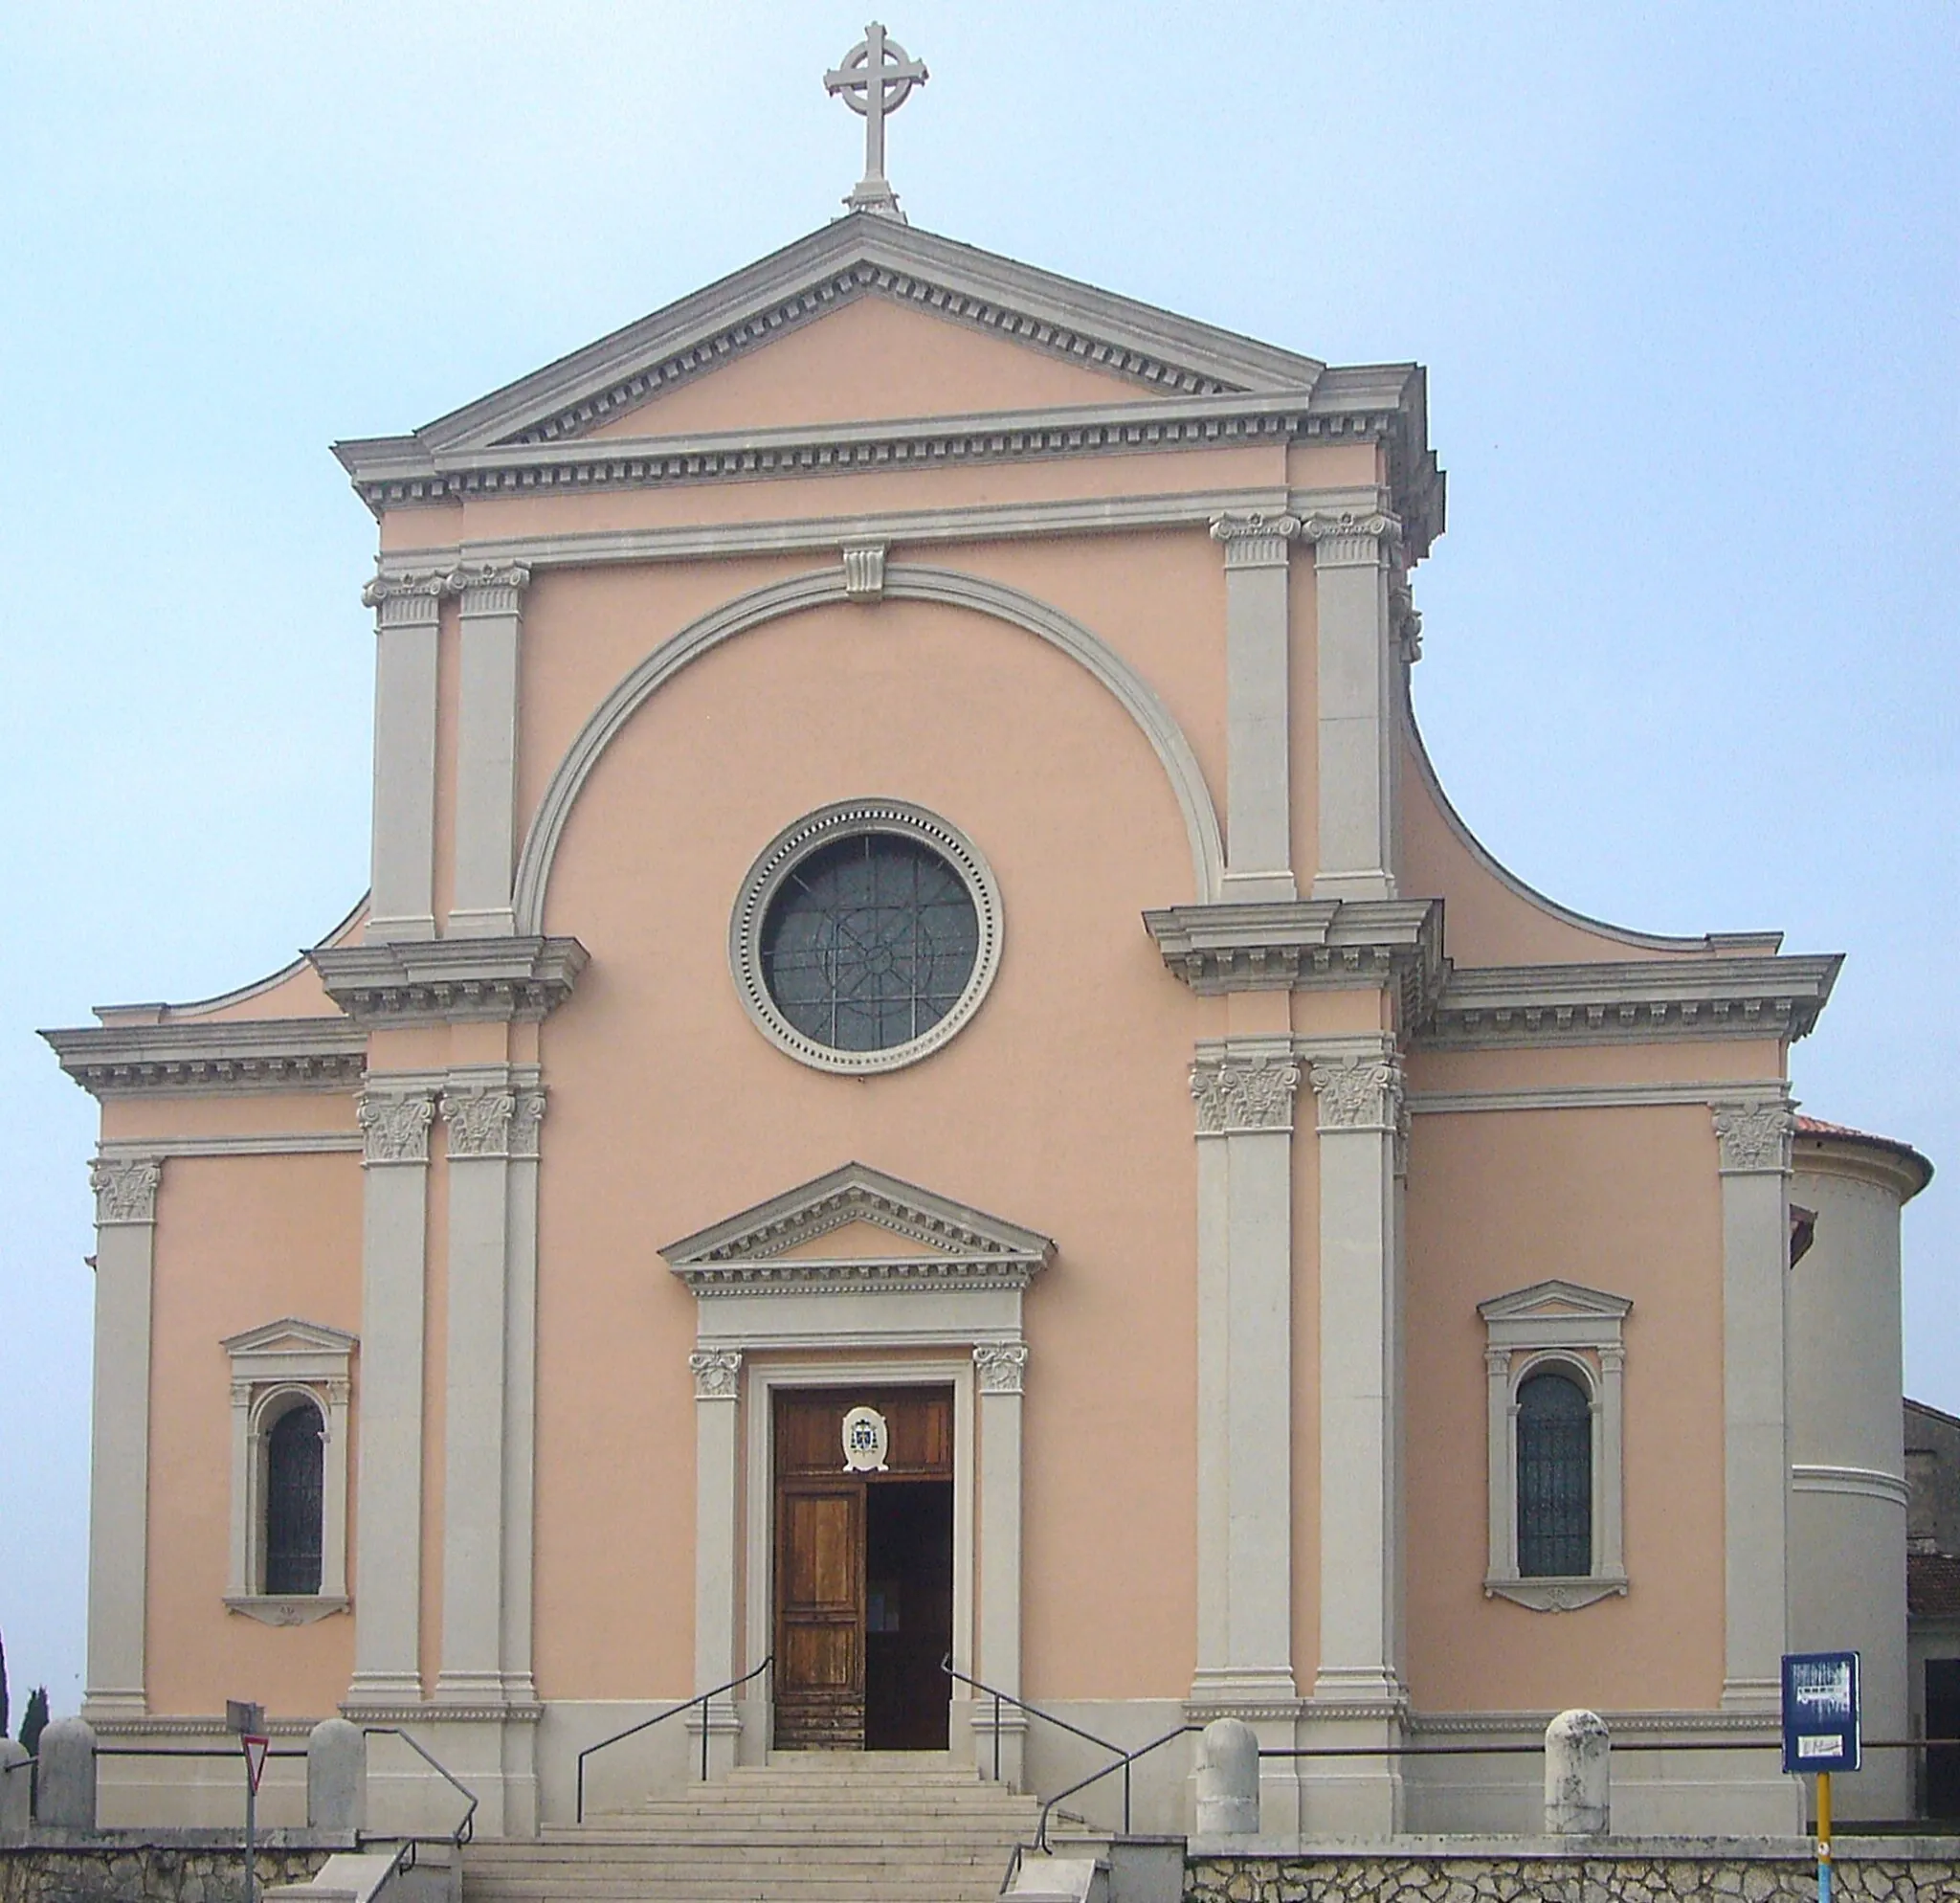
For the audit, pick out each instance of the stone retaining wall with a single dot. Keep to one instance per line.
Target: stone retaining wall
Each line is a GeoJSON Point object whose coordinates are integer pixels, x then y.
{"type": "Point", "coordinates": [1861, 1872]}
{"type": "Point", "coordinates": [149, 1868]}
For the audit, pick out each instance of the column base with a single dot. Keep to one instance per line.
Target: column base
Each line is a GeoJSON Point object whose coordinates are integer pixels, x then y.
{"type": "Point", "coordinates": [1351, 1796]}
{"type": "Point", "coordinates": [384, 1687]}
{"type": "Point", "coordinates": [1012, 1736]}
{"type": "Point", "coordinates": [1354, 885]}
{"type": "Point", "coordinates": [1269, 1702]}
{"type": "Point", "coordinates": [723, 1726]}
{"type": "Point", "coordinates": [1753, 1695]}
{"type": "Point", "coordinates": [121, 1703]}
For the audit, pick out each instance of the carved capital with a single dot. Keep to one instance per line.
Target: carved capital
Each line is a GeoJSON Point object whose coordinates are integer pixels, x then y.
{"type": "Point", "coordinates": [1243, 1092]}
{"type": "Point", "coordinates": [1360, 1093]}
{"type": "Point", "coordinates": [525, 1119]}
{"type": "Point", "coordinates": [479, 1121]}
{"type": "Point", "coordinates": [489, 587]}
{"type": "Point", "coordinates": [1254, 540]}
{"type": "Point", "coordinates": [1351, 541]}
{"type": "Point", "coordinates": [864, 571]}
{"type": "Point", "coordinates": [405, 599]}
{"type": "Point", "coordinates": [1000, 1366]}
{"type": "Point", "coordinates": [126, 1192]}
{"type": "Point", "coordinates": [1754, 1138]}
{"type": "Point", "coordinates": [716, 1373]}
{"type": "Point", "coordinates": [395, 1125]}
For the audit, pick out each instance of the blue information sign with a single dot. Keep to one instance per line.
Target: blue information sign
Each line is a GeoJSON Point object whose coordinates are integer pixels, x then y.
{"type": "Point", "coordinates": [1822, 1722]}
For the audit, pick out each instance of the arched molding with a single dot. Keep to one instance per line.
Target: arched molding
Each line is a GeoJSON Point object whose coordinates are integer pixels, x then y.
{"type": "Point", "coordinates": [903, 581]}
{"type": "Point", "coordinates": [1558, 1361]}
{"type": "Point", "coordinates": [270, 1405]}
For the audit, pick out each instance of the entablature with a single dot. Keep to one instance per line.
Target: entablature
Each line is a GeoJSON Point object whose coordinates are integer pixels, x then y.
{"type": "Point", "coordinates": [1630, 1002]}
{"type": "Point", "coordinates": [449, 981]}
{"type": "Point", "coordinates": [213, 1059]}
{"type": "Point", "coordinates": [1308, 944]}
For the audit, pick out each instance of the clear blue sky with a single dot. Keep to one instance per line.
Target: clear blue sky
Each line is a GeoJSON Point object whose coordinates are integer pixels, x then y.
{"type": "Point", "coordinates": [1684, 278]}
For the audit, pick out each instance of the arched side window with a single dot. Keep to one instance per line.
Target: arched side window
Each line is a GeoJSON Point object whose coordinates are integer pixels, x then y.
{"type": "Point", "coordinates": [1554, 1474]}
{"type": "Point", "coordinates": [295, 1454]}
{"type": "Point", "coordinates": [290, 1390]}
{"type": "Point", "coordinates": [1555, 1360]}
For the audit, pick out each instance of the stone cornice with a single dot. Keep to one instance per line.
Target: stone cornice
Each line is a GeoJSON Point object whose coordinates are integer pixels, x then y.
{"type": "Point", "coordinates": [221, 1059]}
{"type": "Point", "coordinates": [1307, 945]}
{"type": "Point", "coordinates": [1634, 1001]}
{"type": "Point", "coordinates": [449, 981]}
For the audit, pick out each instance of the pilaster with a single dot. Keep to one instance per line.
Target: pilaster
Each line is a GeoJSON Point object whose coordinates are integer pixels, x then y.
{"type": "Point", "coordinates": [491, 625]}
{"type": "Point", "coordinates": [1358, 1695]}
{"type": "Point", "coordinates": [119, 1475]}
{"type": "Point", "coordinates": [407, 613]}
{"type": "Point", "coordinates": [1358, 659]}
{"type": "Point", "coordinates": [1258, 816]}
{"type": "Point", "coordinates": [1243, 1088]}
{"type": "Point", "coordinates": [1000, 1374]}
{"type": "Point", "coordinates": [396, 1114]}
{"type": "Point", "coordinates": [1754, 1138]}
{"type": "Point", "coordinates": [717, 1543]}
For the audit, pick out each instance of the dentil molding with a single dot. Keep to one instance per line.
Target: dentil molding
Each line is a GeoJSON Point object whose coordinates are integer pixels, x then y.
{"type": "Point", "coordinates": [227, 1058]}
{"type": "Point", "coordinates": [449, 981]}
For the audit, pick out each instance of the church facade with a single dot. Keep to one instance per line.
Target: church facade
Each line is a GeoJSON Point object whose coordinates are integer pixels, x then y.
{"type": "Point", "coordinates": [928, 1077]}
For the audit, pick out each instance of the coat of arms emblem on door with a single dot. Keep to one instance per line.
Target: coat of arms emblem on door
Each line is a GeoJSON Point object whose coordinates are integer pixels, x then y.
{"type": "Point", "coordinates": [866, 1441]}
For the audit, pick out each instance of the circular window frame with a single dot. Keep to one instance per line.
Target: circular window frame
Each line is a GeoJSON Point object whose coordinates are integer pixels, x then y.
{"type": "Point", "coordinates": [854, 818]}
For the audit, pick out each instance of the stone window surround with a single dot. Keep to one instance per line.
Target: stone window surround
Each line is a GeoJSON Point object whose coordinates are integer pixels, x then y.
{"type": "Point", "coordinates": [275, 1367]}
{"type": "Point", "coordinates": [1581, 1338]}
{"type": "Point", "coordinates": [852, 818]}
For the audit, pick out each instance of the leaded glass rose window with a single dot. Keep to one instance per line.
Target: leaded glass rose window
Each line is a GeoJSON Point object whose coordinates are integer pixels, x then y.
{"type": "Point", "coordinates": [865, 935]}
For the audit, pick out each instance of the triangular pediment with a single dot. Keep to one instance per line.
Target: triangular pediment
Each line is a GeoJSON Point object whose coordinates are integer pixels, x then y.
{"type": "Point", "coordinates": [290, 1336]}
{"type": "Point", "coordinates": [1132, 347]}
{"type": "Point", "coordinates": [1554, 1300]}
{"type": "Point", "coordinates": [858, 1227]}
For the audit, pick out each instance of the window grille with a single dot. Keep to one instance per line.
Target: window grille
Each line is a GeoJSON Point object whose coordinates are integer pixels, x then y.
{"type": "Point", "coordinates": [294, 1498]}
{"type": "Point", "coordinates": [1554, 1478]}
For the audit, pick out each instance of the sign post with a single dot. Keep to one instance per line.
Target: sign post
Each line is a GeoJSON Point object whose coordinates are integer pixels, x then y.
{"type": "Point", "coordinates": [248, 1721]}
{"type": "Point", "coordinates": [1822, 1733]}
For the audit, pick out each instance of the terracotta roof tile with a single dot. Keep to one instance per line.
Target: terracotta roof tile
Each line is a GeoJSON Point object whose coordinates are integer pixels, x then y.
{"type": "Point", "coordinates": [1932, 1586]}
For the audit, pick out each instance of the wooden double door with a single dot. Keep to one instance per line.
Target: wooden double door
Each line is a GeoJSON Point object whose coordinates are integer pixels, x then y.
{"type": "Point", "coordinates": [864, 1569]}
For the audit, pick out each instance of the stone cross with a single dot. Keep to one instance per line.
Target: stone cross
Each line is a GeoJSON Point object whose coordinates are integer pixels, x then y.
{"type": "Point", "coordinates": [877, 77]}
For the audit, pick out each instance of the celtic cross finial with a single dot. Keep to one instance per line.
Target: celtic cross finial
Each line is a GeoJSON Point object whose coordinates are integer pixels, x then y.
{"type": "Point", "coordinates": [877, 77]}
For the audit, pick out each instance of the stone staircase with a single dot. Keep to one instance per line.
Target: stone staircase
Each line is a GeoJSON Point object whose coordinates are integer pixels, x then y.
{"type": "Point", "coordinates": [818, 1828]}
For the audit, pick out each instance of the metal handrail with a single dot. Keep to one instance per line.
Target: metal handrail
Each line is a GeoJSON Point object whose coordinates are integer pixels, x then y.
{"type": "Point", "coordinates": [466, 1825]}
{"type": "Point", "coordinates": [1121, 1764]}
{"type": "Point", "coordinates": [700, 1698]}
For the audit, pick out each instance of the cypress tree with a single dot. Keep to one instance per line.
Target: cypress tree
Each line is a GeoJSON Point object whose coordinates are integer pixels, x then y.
{"type": "Point", "coordinates": [35, 1720]}
{"type": "Point", "coordinates": [3, 1688]}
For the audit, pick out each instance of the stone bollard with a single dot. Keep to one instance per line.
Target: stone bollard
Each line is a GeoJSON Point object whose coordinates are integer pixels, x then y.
{"type": "Point", "coordinates": [1578, 1776]}
{"type": "Point", "coordinates": [1229, 1779]}
{"type": "Point", "coordinates": [16, 1787]}
{"type": "Point", "coordinates": [65, 1797]}
{"type": "Point", "coordinates": [337, 1777]}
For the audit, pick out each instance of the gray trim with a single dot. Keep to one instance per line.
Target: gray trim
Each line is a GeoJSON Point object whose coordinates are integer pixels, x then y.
{"type": "Point", "coordinates": [448, 982]}
{"type": "Point", "coordinates": [902, 582]}
{"type": "Point", "coordinates": [1581, 1097]}
{"type": "Point", "coordinates": [297, 1143]}
{"type": "Point", "coordinates": [843, 819]}
{"type": "Point", "coordinates": [205, 1059]}
{"type": "Point", "coordinates": [1631, 1001]}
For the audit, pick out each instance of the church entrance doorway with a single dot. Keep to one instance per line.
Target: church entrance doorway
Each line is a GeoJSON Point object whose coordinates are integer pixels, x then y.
{"type": "Point", "coordinates": [863, 1568]}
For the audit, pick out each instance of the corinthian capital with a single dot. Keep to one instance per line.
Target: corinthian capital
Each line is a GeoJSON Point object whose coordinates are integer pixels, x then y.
{"type": "Point", "coordinates": [1254, 540]}
{"type": "Point", "coordinates": [1360, 1093]}
{"type": "Point", "coordinates": [1243, 1092]}
{"type": "Point", "coordinates": [395, 1125]}
{"type": "Point", "coordinates": [1754, 1138]}
{"type": "Point", "coordinates": [1351, 539]}
{"type": "Point", "coordinates": [1001, 1366]}
{"type": "Point", "coordinates": [478, 1122]}
{"type": "Point", "coordinates": [716, 1373]}
{"type": "Point", "coordinates": [126, 1192]}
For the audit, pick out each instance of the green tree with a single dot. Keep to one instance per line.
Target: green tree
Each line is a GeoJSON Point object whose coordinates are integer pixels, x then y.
{"type": "Point", "coordinates": [36, 1719]}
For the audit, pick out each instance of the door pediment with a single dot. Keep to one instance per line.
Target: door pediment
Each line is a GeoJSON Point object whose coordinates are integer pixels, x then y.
{"type": "Point", "coordinates": [858, 1228]}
